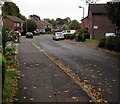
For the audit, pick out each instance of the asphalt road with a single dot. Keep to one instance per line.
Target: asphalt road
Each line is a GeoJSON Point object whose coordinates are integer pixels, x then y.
{"type": "Point", "coordinates": [43, 81]}
{"type": "Point", "coordinates": [99, 68]}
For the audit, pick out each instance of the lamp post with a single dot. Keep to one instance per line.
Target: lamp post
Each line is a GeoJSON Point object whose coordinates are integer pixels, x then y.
{"type": "Point", "coordinates": [83, 14]}
{"type": "Point", "coordinates": [83, 20]}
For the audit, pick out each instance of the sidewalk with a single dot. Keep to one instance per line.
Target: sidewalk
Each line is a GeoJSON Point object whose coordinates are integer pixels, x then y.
{"type": "Point", "coordinates": [43, 81]}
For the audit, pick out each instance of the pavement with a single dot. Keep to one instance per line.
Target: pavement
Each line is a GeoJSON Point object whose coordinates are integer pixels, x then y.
{"type": "Point", "coordinates": [43, 81]}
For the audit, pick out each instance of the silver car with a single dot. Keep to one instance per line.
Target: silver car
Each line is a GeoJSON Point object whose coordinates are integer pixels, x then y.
{"type": "Point", "coordinates": [58, 36]}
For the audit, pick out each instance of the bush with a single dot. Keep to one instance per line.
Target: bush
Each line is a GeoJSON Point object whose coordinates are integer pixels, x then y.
{"type": "Point", "coordinates": [69, 36]}
{"type": "Point", "coordinates": [9, 51]}
{"type": "Point", "coordinates": [111, 43]}
{"type": "Point", "coordinates": [48, 29]}
{"type": "Point", "coordinates": [102, 43]}
{"type": "Point", "coordinates": [36, 33]}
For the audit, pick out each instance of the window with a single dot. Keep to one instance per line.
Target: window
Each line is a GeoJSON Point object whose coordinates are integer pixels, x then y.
{"type": "Point", "coordinates": [17, 24]}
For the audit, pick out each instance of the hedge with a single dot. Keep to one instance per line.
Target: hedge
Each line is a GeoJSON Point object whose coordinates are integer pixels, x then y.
{"type": "Point", "coordinates": [111, 43]}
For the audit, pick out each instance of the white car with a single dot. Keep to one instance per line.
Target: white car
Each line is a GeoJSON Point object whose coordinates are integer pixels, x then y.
{"type": "Point", "coordinates": [58, 36]}
{"type": "Point", "coordinates": [109, 34]}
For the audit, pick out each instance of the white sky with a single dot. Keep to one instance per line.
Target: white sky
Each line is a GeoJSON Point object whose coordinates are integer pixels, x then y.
{"type": "Point", "coordinates": [53, 8]}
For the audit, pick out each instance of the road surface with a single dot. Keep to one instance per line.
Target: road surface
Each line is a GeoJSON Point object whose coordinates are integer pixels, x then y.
{"type": "Point", "coordinates": [99, 68]}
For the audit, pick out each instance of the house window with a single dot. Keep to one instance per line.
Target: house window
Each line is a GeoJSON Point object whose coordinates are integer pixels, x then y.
{"type": "Point", "coordinates": [17, 24]}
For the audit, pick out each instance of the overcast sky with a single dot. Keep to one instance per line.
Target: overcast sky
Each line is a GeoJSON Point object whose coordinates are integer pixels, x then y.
{"type": "Point", "coordinates": [53, 8]}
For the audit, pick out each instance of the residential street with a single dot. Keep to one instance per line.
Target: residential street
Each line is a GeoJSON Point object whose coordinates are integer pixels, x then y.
{"type": "Point", "coordinates": [41, 78]}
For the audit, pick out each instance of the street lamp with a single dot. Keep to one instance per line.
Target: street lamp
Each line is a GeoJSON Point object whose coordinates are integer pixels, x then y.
{"type": "Point", "coordinates": [83, 18]}
{"type": "Point", "coordinates": [83, 10]}
{"type": "Point", "coordinates": [83, 14]}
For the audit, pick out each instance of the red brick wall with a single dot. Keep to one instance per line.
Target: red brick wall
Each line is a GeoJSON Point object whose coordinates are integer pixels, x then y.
{"type": "Point", "coordinates": [84, 23]}
{"type": "Point", "coordinates": [104, 26]}
{"type": "Point", "coordinates": [102, 22]}
{"type": "Point", "coordinates": [8, 23]}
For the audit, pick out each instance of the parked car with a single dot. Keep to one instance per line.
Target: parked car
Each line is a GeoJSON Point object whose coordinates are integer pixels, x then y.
{"type": "Point", "coordinates": [109, 34]}
{"type": "Point", "coordinates": [29, 35]}
{"type": "Point", "coordinates": [58, 36]}
{"type": "Point", "coordinates": [68, 31]}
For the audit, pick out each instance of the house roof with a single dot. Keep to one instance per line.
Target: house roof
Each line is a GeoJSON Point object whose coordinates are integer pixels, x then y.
{"type": "Point", "coordinates": [40, 24]}
{"type": "Point", "coordinates": [15, 19]}
{"type": "Point", "coordinates": [47, 23]}
{"type": "Point", "coordinates": [97, 8]}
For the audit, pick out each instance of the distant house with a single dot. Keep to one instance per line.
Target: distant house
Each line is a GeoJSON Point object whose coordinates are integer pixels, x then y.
{"type": "Point", "coordinates": [84, 23]}
{"type": "Point", "coordinates": [98, 22]}
{"type": "Point", "coordinates": [42, 25]}
{"type": "Point", "coordinates": [57, 28]}
{"type": "Point", "coordinates": [13, 23]}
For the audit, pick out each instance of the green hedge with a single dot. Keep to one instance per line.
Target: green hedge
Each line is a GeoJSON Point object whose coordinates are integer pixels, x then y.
{"type": "Point", "coordinates": [111, 43]}
{"type": "Point", "coordinates": [69, 36]}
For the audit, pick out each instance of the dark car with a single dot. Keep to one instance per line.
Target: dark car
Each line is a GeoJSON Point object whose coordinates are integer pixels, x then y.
{"type": "Point", "coordinates": [29, 35]}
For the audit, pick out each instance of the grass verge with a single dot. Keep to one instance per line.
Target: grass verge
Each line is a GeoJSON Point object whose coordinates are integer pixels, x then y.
{"type": "Point", "coordinates": [91, 40]}
{"type": "Point", "coordinates": [10, 85]}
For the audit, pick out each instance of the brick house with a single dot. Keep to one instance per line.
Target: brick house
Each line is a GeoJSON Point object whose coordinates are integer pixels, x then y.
{"type": "Point", "coordinates": [42, 25]}
{"type": "Point", "coordinates": [13, 23]}
{"type": "Point", "coordinates": [98, 22]}
{"type": "Point", "coordinates": [84, 24]}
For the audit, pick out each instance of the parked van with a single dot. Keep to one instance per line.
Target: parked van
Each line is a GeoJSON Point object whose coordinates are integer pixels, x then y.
{"type": "Point", "coordinates": [68, 31]}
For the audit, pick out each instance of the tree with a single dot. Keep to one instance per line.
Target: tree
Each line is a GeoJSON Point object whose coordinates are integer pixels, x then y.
{"type": "Point", "coordinates": [67, 20]}
{"type": "Point", "coordinates": [52, 21]}
{"type": "Point", "coordinates": [10, 8]}
{"type": "Point", "coordinates": [113, 12]}
{"type": "Point", "coordinates": [35, 17]}
{"type": "Point", "coordinates": [60, 21]}
{"type": "Point", "coordinates": [74, 25]}
{"type": "Point", "coordinates": [29, 25]}
{"type": "Point", "coordinates": [65, 27]}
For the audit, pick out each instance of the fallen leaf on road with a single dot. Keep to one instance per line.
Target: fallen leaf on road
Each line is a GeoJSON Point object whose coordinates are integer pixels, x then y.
{"type": "Point", "coordinates": [23, 75]}
{"type": "Point", "coordinates": [107, 89]}
{"type": "Point", "coordinates": [16, 99]}
{"type": "Point", "coordinates": [50, 96]}
{"type": "Point", "coordinates": [58, 92]}
{"type": "Point", "coordinates": [74, 98]}
{"type": "Point", "coordinates": [99, 89]}
{"type": "Point", "coordinates": [31, 99]}
{"type": "Point", "coordinates": [55, 75]}
{"type": "Point", "coordinates": [66, 91]}
{"type": "Point", "coordinates": [24, 88]}
{"type": "Point", "coordinates": [24, 97]}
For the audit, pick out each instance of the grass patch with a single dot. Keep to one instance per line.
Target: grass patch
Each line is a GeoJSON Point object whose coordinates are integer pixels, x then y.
{"type": "Point", "coordinates": [10, 85]}
{"type": "Point", "coordinates": [92, 40]}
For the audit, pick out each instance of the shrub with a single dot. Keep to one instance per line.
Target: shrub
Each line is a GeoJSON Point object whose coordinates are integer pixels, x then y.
{"type": "Point", "coordinates": [111, 43]}
{"type": "Point", "coordinates": [69, 36]}
{"type": "Point", "coordinates": [9, 51]}
{"type": "Point", "coordinates": [117, 43]}
{"type": "Point", "coordinates": [47, 29]}
{"type": "Point", "coordinates": [102, 43]}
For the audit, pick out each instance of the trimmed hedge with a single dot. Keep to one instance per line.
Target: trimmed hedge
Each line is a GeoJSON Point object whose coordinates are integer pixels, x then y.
{"type": "Point", "coordinates": [69, 36]}
{"type": "Point", "coordinates": [111, 43]}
